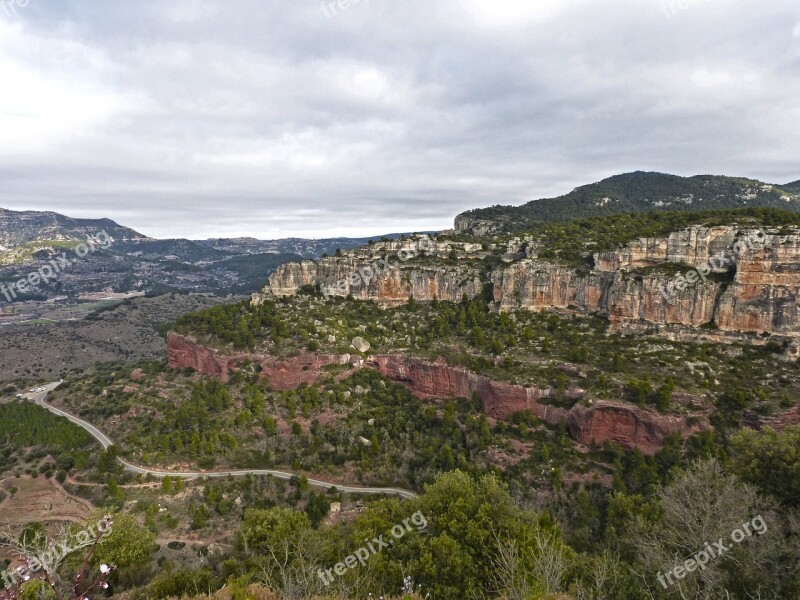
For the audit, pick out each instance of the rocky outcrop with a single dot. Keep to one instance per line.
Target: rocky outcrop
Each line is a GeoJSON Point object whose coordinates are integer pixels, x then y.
{"type": "Point", "coordinates": [184, 352]}
{"type": "Point", "coordinates": [621, 296]}
{"type": "Point", "coordinates": [372, 280]}
{"type": "Point", "coordinates": [736, 281]}
{"type": "Point", "coordinates": [694, 247]}
{"type": "Point", "coordinates": [627, 425]}
{"type": "Point", "coordinates": [440, 380]}
{"type": "Point", "coordinates": [764, 294]}
{"type": "Point", "coordinates": [283, 374]}
{"type": "Point", "coordinates": [469, 225]}
{"type": "Point", "coordinates": [745, 281]}
{"type": "Point", "coordinates": [624, 424]}
{"type": "Point", "coordinates": [389, 272]}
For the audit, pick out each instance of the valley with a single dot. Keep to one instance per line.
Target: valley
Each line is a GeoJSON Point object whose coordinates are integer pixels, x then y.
{"type": "Point", "coordinates": [540, 369]}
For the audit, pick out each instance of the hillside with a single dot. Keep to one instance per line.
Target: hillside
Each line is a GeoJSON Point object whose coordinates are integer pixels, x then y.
{"type": "Point", "coordinates": [487, 375]}
{"type": "Point", "coordinates": [304, 247]}
{"type": "Point", "coordinates": [509, 357]}
{"type": "Point", "coordinates": [19, 228]}
{"type": "Point", "coordinates": [633, 193]}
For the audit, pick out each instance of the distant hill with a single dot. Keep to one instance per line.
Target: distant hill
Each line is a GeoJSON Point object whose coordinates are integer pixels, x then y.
{"type": "Point", "coordinates": [304, 247]}
{"type": "Point", "coordinates": [20, 228]}
{"type": "Point", "coordinates": [133, 262]}
{"type": "Point", "coordinates": [794, 186]}
{"type": "Point", "coordinates": [632, 193]}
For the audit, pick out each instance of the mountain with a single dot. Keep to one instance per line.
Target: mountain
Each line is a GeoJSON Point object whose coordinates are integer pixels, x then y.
{"type": "Point", "coordinates": [580, 368]}
{"type": "Point", "coordinates": [127, 261]}
{"type": "Point", "coordinates": [793, 187]}
{"type": "Point", "coordinates": [304, 247]}
{"type": "Point", "coordinates": [632, 193]}
{"type": "Point", "coordinates": [19, 228]}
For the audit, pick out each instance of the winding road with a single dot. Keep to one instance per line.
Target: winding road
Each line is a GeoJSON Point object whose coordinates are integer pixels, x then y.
{"type": "Point", "coordinates": [41, 397]}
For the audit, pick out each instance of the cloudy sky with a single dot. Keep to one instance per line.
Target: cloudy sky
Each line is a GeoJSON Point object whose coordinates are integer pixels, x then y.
{"type": "Point", "coordinates": [272, 118]}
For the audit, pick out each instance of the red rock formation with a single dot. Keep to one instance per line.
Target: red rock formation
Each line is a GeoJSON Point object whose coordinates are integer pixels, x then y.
{"type": "Point", "coordinates": [288, 374]}
{"type": "Point", "coordinates": [184, 352]}
{"type": "Point", "coordinates": [627, 425]}
{"type": "Point", "coordinates": [283, 374]}
{"type": "Point", "coordinates": [790, 418]}
{"type": "Point", "coordinates": [500, 400]}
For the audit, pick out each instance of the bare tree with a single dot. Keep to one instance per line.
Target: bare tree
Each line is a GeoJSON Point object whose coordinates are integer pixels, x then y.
{"type": "Point", "coordinates": [290, 569]}
{"type": "Point", "coordinates": [541, 565]}
{"type": "Point", "coordinates": [702, 506]}
{"type": "Point", "coordinates": [41, 558]}
{"type": "Point", "coordinates": [509, 572]}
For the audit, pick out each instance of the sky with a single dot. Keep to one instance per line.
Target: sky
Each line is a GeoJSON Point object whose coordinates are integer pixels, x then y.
{"type": "Point", "coordinates": [278, 118]}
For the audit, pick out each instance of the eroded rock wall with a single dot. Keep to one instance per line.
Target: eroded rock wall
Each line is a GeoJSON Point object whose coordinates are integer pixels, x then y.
{"type": "Point", "coordinates": [283, 374]}
{"type": "Point", "coordinates": [757, 294]}
{"type": "Point", "coordinates": [389, 273]}
{"type": "Point", "coordinates": [627, 425]}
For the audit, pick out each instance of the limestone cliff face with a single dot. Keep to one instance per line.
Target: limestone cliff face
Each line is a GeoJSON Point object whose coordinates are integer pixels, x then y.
{"type": "Point", "coordinates": [386, 272]}
{"type": "Point", "coordinates": [621, 296]}
{"type": "Point", "coordinates": [628, 285]}
{"type": "Point", "coordinates": [624, 424]}
{"type": "Point", "coordinates": [361, 279]}
{"type": "Point", "coordinates": [469, 225]}
{"type": "Point", "coordinates": [764, 294]}
{"type": "Point", "coordinates": [694, 247]}
{"type": "Point", "coordinates": [749, 280]}
{"type": "Point", "coordinates": [289, 278]}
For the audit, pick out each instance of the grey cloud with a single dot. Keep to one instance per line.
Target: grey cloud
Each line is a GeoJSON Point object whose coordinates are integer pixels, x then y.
{"type": "Point", "coordinates": [188, 117]}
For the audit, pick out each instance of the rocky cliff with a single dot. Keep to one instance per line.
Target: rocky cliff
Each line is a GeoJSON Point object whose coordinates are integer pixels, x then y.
{"type": "Point", "coordinates": [439, 380]}
{"type": "Point", "coordinates": [729, 279]}
{"type": "Point", "coordinates": [732, 281]}
{"type": "Point", "coordinates": [387, 272]}
{"type": "Point", "coordinates": [184, 352]}
{"type": "Point", "coordinates": [622, 423]}
{"type": "Point", "coordinates": [627, 425]}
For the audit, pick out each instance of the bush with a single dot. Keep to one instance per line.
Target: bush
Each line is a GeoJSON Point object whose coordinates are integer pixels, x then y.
{"type": "Point", "coordinates": [184, 582]}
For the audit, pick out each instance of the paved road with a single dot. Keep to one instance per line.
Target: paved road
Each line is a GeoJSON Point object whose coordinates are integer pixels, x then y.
{"type": "Point", "coordinates": [40, 399]}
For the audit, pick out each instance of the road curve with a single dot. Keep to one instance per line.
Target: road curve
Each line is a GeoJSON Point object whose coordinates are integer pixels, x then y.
{"type": "Point", "coordinates": [40, 397]}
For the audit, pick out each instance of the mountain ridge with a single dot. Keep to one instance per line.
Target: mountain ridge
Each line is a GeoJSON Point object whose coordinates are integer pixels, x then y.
{"type": "Point", "coordinates": [133, 262]}
{"type": "Point", "coordinates": [634, 192]}
{"type": "Point", "coordinates": [23, 227]}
